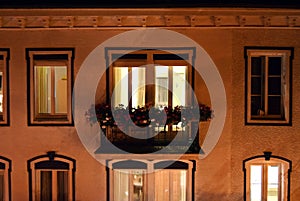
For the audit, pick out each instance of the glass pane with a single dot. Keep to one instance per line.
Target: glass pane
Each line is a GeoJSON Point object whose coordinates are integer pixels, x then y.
{"type": "Point", "coordinates": [274, 65]}
{"type": "Point", "coordinates": [129, 185]}
{"type": "Point", "coordinates": [1, 185]}
{"type": "Point", "coordinates": [274, 105]}
{"type": "Point", "coordinates": [138, 86]}
{"type": "Point", "coordinates": [256, 85]}
{"type": "Point", "coordinates": [1, 90]}
{"type": "Point", "coordinates": [256, 65]}
{"type": "Point", "coordinates": [170, 185]}
{"type": "Point", "coordinates": [61, 94]}
{"type": "Point", "coordinates": [120, 93]}
{"type": "Point", "coordinates": [43, 89]}
{"type": "Point", "coordinates": [179, 85]}
{"type": "Point", "coordinates": [46, 186]}
{"type": "Point", "coordinates": [273, 183]}
{"type": "Point", "coordinates": [274, 85]}
{"type": "Point", "coordinates": [121, 185]}
{"type": "Point", "coordinates": [138, 185]}
{"type": "Point", "coordinates": [255, 183]}
{"type": "Point", "coordinates": [62, 186]}
{"type": "Point", "coordinates": [256, 105]}
{"type": "Point", "coordinates": [161, 85]}
{"type": "Point", "coordinates": [51, 88]}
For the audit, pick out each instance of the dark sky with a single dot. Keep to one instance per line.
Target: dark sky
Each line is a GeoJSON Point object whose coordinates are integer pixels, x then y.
{"type": "Point", "coordinates": [146, 4]}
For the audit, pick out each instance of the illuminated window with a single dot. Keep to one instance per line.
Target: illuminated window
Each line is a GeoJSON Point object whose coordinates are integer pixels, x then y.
{"type": "Point", "coordinates": [50, 86]}
{"type": "Point", "coordinates": [52, 178]}
{"type": "Point", "coordinates": [268, 85]}
{"type": "Point", "coordinates": [132, 180]}
{"type": "Point", "coordinates": [152, 77]}
{"type": "Point", "coordinates": [4, 93]}
{"type": "Point", "coordinates": [267, 179]}
{"type": "Point", "coordinates": [5, 179]}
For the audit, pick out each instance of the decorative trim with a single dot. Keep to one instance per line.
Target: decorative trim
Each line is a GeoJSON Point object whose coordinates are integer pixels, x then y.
{"type": "Point", "coordinates": [172, 17]}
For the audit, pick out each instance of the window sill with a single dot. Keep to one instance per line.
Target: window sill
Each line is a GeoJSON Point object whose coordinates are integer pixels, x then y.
{"type": "Point", "coordinates": [268, 121]}
{"type": "Point", "coordinates": [53, 120]}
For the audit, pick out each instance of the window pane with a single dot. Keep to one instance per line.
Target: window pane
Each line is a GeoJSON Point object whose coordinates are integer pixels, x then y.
{"type": "Point", "coordinates": [256, 85]}
{"type": "Point", "coordinates": [120, 93]}
{"type": "Point", "coordinates": [161, 85]}
{"type": "Point", "coordinates": [62, 186]}
{"type": "Point", "coordinates": [46, 186]}
{"type": "Point", "coordinates": [60, 76]}
{"type": "Point", "coordinates": [138, 185]}
{"type": "Point", "coordinates": [170, 185]}
{"type": "Point", "coordinates": [255, 183]}
{"type": "Point", "coordinates": [256, 65]}
{"type": "Point", "coordinates": [274, 105]}
{"type": "Point", "coordinates": [121, 185]}
{"type": "Point", "coordinates": [274, 65]}
{"type": "Point", "coordinates": [129, 185]}
{"type": "Point", "coordinates": [1, 185]}
{"type": "Point", "coordinates": [51, 89]}
{"type": "Point", "coordinates": [138, 86]}
{"type": "Point", "coordinates": [273, 183]}
{"type": "Point", "coordinates": [256, 105]}
{"type": "Point", "coordinates": [274, 85]}
{"type": "Point", "coordinates": [179, 85]}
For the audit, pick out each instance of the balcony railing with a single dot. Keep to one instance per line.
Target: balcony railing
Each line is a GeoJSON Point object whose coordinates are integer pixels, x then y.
{"type": "Point", "coordinates": [150, 130]}
{"type": "Point", "coordinates": [162, 139]}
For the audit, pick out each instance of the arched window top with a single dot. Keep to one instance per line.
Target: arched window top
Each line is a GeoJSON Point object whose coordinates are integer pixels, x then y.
{"type": "Point", "coordinates": [51, 160]}
{"type": "Point", "coordinates": [52, 165]}
{"type": "Point", "coordinates": [5, 163]}
{"type": "Point", "coordinates": [145, 164]}
{"type": "Point", "coordinates": [129, 164]}
{"type": "Point", "coordinates": [267, 156]}
{"type": "Point", "coordinates": [171, 165]}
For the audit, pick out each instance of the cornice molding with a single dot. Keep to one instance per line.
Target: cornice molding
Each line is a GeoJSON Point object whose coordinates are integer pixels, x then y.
{"type": "Point", "coordinates": [100, 18]}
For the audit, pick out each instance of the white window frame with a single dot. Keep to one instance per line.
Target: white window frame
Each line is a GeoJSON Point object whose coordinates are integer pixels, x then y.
{"type": "Point", "coordinates": [6, 172]}
{"type": "Point", "coordinates": [262, 116]}
{"type": "Point", "coordinates": [55, 119]}
{"type": "Point", "coordinates": [150, 177]}
{"type": "Point", "coordinates": [4, 86]}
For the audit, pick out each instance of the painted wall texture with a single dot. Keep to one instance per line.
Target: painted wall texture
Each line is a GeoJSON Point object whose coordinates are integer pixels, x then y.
{"type": "Point", "coordinates": [223, 34]}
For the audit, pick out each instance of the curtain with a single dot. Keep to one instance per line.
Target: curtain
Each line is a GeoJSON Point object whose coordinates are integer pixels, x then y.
{"type": "Point", "coordinates": [43, 89]}
{"type": "Point", "coordinates": [138, 86]}
{"type": "Point", "coordinates": [120, 93]}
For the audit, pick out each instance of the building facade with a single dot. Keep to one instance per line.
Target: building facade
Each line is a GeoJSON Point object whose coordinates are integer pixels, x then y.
{"type": "Point", "coordinates": [242, 63]}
